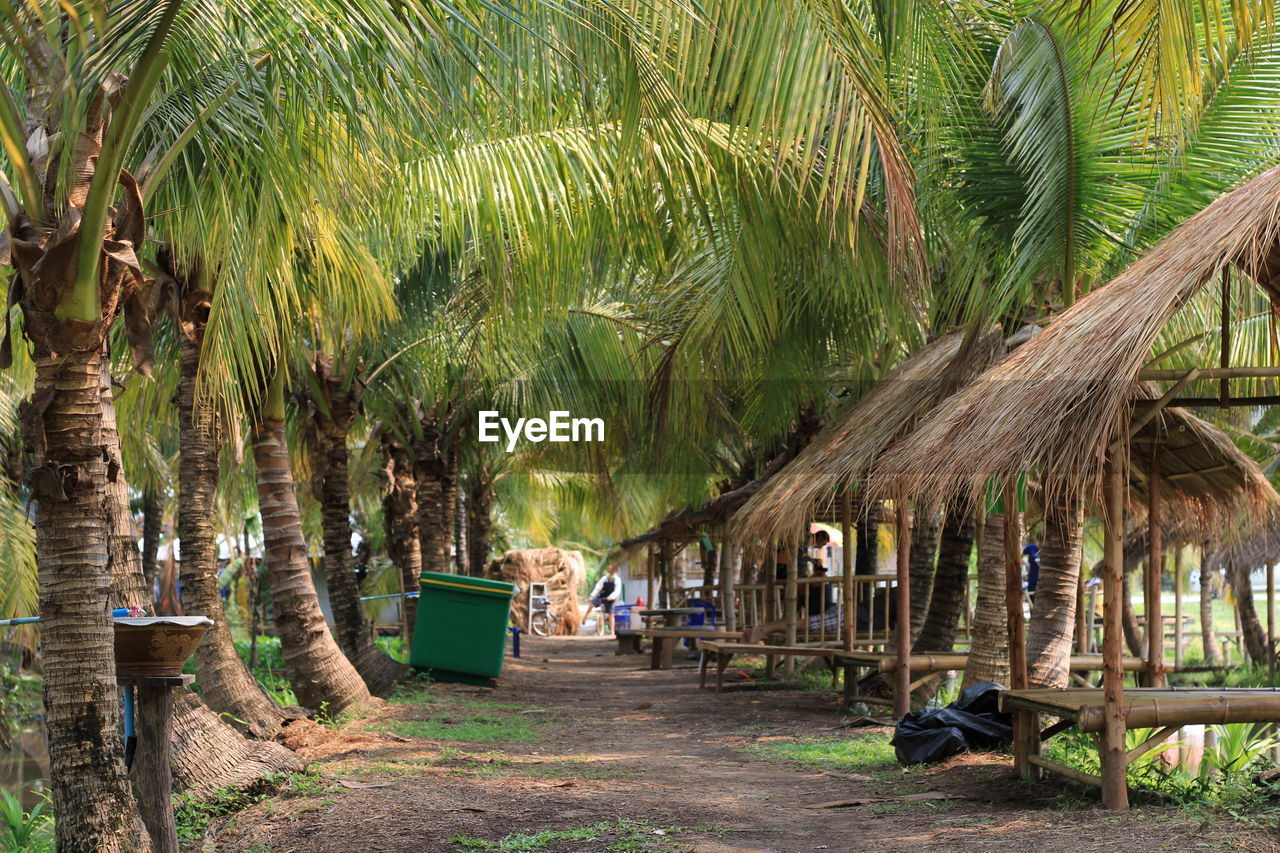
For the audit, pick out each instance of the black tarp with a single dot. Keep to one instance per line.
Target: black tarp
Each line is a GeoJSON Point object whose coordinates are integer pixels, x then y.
{"type": "Point", "coordinates": [970, 722]}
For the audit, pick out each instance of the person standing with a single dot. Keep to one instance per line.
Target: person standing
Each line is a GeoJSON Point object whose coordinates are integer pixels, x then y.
{"type": "Point", "coordinates": [607, 591]}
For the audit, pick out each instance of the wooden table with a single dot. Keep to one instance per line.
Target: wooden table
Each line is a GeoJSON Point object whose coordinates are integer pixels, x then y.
{"type": "Point", "coordinates": [151, 774]}
{"type": "Point", "coordinates": [665, 640]}
{"type": "Point", "coordinates": [724, 652]}
{"type": "Point", "coordinates": [667, 614]}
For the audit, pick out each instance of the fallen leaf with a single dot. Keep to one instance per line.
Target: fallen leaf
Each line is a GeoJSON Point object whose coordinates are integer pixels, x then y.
{"type": "Point", "coordinates": [844, 804]}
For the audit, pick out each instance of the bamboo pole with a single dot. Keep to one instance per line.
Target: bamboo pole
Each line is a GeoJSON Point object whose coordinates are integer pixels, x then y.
{"type": "Point", "coordinates": [1177, 607]}
{"type": "Point", "coordinates": [771, 607]}
{"type": "Point", "coordinates": [902, 695]}
{"type": "Point", "coordinates": [1013, 587]}
{"type": "Point", "coordinates": [728, 574]}
{"type": "Point", "coordinates": [846, 566]}
{"type": "Point", "coordinates": [1271, 616]}
{"type": "Point", "coordinates": [1084, 616]}
{"type": "Point", "coordinates": [790, 602]}
{"type": "Point", "coordinates": [1115, 794]}
{"type": "Point", "coordinates": [651, 572]}
{"type": "Point", "coordinates": [1155, 565]}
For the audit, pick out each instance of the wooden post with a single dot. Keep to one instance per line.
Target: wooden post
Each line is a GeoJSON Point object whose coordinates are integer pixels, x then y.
{"type": "Point", "coordinates": [1115, 793]}
{"type": "Point", "coordinates": [1271, 621]}
{"type": "Point", "coordinates": [1013, 587]}
{"type": "Point", "coordinates": [728, 574]}
{"type": "Point", "coordinates": [1084, 615]}
{"type": "Point", "coordinates": [1178, 606]}
{"type": "Point", "coordinates": [846, 583]}
{"type": "Point", "coordinates": [652, 579]}
{"type": "Point", "coordinates": [902, 689]}
{"type": "Point", "coordinates": [771, 606]}
{"type": "Point", "coordinates": [790, 602]}
{"type": "Point", "coordinates": [152, 775]}
{"type": "Point", "coordinates": [1155, 566]}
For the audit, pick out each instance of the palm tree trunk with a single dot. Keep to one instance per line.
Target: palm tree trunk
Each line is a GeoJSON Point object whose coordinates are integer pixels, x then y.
{"type": "Point", "coordinates": [430, 473]}
{"type": "Point", "coordinates": [1208, 636]}
{"type": "Point", "coordinates": [69, 481]}
{"type": "Point", "coordinates": [1134, 637]}
{"type": "Point", "coordinates": [152, 521]}
{"type": "Point", "coordinates": [322, 678]}
{"type": "Point", "coordinates": [1053, 613]}
{"type": "Point", "coordinates": [208, 755]}
{"type": "Point", "coordinates": [924, 553]}
{"type": "Point", "coordinates": [989, 653]}
{"type": "Point", "coordinates": [938, 633]}
{"type": "Point", "coordinates": [355, 637]}
{"type": "Point", "coordinates": [1255, 637]}
{"type": "Point", "coordinates": [462, 548]}
{"type": "Point", "coordinates": [400, 517]}
{"type": "Point", "coordinates": [225, 681]}
{"type": "Point", "coordinates": [479, 523]}
{"type": "Point", "coordinates": [868, 540]}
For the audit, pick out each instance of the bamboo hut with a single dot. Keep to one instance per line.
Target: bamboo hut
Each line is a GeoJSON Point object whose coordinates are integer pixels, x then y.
{"type": "Point", "coordinates": [1070, 407]}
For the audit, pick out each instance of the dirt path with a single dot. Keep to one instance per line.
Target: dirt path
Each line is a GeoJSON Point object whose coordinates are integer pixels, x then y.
{"type": "Point", "coordinates": [600, 754]}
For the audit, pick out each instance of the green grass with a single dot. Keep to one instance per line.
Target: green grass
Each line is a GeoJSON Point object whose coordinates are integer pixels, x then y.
{"type": "Point", "coordinates": [467, 721]}
{"type": "Point", "coordinates": [194, 816]}
{"type": "Point", "coordinates": [856, 753]}
{"type": "Point", "coordinates": [623, 836]}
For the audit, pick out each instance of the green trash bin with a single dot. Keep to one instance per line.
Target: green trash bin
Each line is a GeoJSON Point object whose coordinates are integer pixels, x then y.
{"type": "Point", "coordinates": [460, 633]}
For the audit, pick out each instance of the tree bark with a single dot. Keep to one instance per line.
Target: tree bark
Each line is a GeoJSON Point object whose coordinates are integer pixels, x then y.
{"type": "Point", "coordinates": [924, 554]}
{"type": "Point", "coordinates": [867, 547]}
{"type": "Point", "coordinates": [225, 681]}
{"type": "Point", "coordinates": [1134, 637]}
{"type": "Point", "coordinates": [335, 414]}
{"type": "Point", "coordinates": [462, 549]}
{"type": "Point", "coordinates": [989, 653]}
{"type": "Point", "coordinates": [431, 474]}
{"type": "Point", "coordinates": [400, 518]}
{"type": "Point", "coordinates": [1255, 636]}
{"type": "Point", "coordinates": [322, 678]}
{"type": "Point", "coordinates": [152, 523]}
{"type": "Point", "coordinates": [1053, 612]}
{"type": "Point", "coordinates": [63, 424]}
{"type": "Point", "coordinates": [938, 633]}
{"type": "Point", "coordinates": [479, 522]}
{"type": "Point", "coordinates": [207, 754]}
{"type": "Point", "coordinates": [1208, 636]}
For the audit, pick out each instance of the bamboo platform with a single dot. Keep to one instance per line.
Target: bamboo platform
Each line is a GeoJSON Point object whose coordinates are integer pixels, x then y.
{"type": "Point", "coordinates": [1165, 709]}
{"type": "Point", "coordinates": [724, 652]}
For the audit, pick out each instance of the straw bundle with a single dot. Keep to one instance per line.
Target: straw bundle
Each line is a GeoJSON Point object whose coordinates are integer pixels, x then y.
{"type": "Point", "coordinates": [1055, 404]}
{"type": "Point", "coordinates": [842, 454]}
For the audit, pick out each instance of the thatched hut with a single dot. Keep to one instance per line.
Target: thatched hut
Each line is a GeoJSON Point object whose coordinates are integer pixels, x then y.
{"type": "Point", "coordinates": [1070, 407]}
{"type": "Point", "coordinates": [842, 454]}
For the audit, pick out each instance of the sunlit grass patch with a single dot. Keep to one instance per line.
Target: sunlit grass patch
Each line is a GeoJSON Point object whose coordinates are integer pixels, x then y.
{"type": "Point", "coordinates": [856, 753]}
{"type": "Point", "coordinates": [623, 836]}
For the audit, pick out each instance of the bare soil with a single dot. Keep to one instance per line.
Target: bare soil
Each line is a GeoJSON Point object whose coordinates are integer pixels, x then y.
{"type": "Point", "coordinates": [627, 759]}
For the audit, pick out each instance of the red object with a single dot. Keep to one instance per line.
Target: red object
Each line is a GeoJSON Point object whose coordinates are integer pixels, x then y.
{"type": "Point", "coordinates": [640, 602]}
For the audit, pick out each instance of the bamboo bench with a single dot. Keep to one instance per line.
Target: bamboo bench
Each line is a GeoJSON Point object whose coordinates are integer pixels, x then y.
{"type": "Point", "coordinates": [724, 652]}
{"type": "Point", "coordinates": [665, 640]}
{"type": "Point", "coordinates": [925, 666]}
{"type": "Point", "coordinates": [1164, 709]}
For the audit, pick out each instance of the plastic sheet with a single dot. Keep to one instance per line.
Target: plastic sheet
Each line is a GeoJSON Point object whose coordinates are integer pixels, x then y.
{"type": "Point", "coordinates": [970, 722]}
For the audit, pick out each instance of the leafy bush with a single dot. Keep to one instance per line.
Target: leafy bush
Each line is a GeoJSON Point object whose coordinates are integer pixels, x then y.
{"type": "Point", "coordinates": [22, 830]}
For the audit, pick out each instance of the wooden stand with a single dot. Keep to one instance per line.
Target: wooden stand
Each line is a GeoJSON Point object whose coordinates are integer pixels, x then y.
{"type": "Point", "coordinates": [151, 774]}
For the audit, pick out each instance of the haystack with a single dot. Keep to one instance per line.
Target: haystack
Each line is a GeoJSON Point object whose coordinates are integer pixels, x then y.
{"type": "Point", "coordinates": [563, 573]}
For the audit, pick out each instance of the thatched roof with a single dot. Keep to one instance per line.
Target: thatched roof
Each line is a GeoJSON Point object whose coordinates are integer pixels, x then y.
{"type": "Point", "coordinates": [843, 453]}
{"type": "Point", "coordinates": [1056, 404]}
{"type": "Point", "coordinates": [1204, 476]}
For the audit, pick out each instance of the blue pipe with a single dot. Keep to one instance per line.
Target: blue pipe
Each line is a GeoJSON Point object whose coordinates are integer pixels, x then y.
{"type": "Point", "coordinates": [28, 620]}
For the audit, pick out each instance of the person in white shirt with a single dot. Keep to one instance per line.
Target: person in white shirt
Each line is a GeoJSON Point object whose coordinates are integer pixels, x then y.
{"type": "Point", "coordinates": [607, 591]}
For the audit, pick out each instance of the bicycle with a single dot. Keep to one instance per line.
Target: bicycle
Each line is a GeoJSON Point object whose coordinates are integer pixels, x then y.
{"type": "Point", "coordinates": [542, 620]}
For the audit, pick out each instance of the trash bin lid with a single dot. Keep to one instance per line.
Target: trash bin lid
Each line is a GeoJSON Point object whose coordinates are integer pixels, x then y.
{"type": "Point", "coordinates": [463, 583]}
